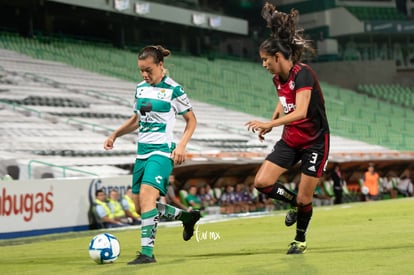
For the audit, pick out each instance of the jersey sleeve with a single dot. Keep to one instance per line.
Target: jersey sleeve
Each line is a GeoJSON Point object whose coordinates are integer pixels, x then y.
{"type": "Point", "coordinates": [124, 204]}
{"type": "Point", "coordinates": [180, 101]}
{"type": "Point", "coordinates": [304, 80]}
{"type": "Point", "coordinates": [100, 211]}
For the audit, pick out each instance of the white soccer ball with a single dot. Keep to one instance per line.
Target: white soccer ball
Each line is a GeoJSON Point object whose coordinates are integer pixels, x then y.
{"type": "Point", "coordinates": [365, 190]}
{"type": "Point", "coordinates": [104, 248]}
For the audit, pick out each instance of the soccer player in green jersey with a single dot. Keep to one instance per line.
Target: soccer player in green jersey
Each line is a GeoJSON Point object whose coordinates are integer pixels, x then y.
{"type": "Point", "coordinates": [158, 99]}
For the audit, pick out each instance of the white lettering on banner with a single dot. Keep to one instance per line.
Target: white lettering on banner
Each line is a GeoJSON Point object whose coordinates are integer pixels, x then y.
{"type": "Point", "coordinates": [26, 204]}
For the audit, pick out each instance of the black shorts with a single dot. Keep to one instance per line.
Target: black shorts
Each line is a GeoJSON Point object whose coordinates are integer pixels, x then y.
{"type": "Point", "coordinates": [313, 158]}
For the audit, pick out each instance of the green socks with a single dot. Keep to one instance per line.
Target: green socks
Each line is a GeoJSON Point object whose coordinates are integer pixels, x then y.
{"type": "Point", "coordinates": [169, 211]}
{"type": "Point", "coordinates": [148, 231]}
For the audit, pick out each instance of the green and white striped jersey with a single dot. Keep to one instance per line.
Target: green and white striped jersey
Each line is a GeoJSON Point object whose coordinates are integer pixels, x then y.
{"type": "Point", "coordinates": [157, 107]}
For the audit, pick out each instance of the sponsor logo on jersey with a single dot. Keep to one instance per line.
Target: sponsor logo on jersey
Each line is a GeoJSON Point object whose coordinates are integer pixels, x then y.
{"type": "Point", "coordinates": [292, 85]}
{"type": "Point", "coordinates": [312, 168]}
{"type": "Point", "coordinates": [287, 107]}
{"type": "Point", "coordinates": [161, 94]}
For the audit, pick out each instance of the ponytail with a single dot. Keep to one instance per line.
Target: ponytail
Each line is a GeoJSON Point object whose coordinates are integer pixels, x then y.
{"type": "Point", "coordinates": [285, 37]}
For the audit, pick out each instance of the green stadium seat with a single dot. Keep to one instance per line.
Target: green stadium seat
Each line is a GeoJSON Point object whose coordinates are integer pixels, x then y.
{"type": "Point", "coordinates": [351, 114]}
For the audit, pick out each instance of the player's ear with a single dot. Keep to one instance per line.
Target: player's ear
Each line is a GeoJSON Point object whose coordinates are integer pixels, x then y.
{"type": "Point", "coordinates": [276, 57]}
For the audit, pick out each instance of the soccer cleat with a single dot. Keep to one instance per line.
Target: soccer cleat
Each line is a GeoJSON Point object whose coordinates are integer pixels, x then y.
{"type": "Point", "coordinates": [189, 226]}
{"type": "Point", "coordinates": [291, 216]}
{"type": "Point", "coordinates": [142, 259]}
{"type": "Point", "coordinates": [296, 247]}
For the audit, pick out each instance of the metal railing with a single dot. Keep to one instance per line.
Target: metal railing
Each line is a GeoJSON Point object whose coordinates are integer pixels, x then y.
{"type": "Point", "coordinates": [64, 168]}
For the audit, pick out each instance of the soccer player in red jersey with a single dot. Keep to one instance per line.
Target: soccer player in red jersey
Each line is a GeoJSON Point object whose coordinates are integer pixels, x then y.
{"type": "Point", "coordinates": [301, 110]}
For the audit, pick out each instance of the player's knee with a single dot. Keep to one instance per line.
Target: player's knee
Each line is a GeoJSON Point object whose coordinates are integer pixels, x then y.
{"type": "Point", "coordinates": [260, 182]}
{"type": "Point", "coordinates": [303, 200]}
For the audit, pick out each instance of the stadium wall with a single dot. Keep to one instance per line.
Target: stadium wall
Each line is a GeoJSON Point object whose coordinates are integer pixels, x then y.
{"type": "Point", "coordinates": [38, 207]}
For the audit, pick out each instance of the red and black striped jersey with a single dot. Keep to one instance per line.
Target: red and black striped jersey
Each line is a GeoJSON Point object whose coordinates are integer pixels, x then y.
{"type": "Point", "coordinates": [302, 133]}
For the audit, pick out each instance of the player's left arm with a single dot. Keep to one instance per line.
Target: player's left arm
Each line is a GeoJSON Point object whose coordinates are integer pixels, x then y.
{"type": "Point", "coordinates": [178, 155]}
{"type": "Point", "coordinates": [276, 114]}
{"type": "Point", "coordinates": [302, 105]}
{"type": "Point", "coordinates": [304, 83]}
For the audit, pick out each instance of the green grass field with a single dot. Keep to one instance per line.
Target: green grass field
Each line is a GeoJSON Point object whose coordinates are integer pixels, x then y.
{"type": "Point", "coordinates": [357, 238]}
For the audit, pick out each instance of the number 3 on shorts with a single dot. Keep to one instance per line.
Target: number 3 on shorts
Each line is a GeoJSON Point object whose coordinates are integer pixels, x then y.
{"type": "Point", "coordinates": [313, 158]}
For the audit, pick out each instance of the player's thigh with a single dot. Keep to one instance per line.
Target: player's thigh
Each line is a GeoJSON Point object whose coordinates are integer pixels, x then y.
{"type": "Point", "coordinates": [277, 162]}
{"type": "Point", "coordinates": [268, 174]}
{"type": "Point", "coordinates": [157, 171]}
{"type": "Point", "coordinates": [283, 155]}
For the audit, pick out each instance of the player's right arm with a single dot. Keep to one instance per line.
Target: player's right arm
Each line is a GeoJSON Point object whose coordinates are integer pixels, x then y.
{"type": "Point", "coordinates": [276, 114]}
{"type": "Point", "coordinates": [129, 126]}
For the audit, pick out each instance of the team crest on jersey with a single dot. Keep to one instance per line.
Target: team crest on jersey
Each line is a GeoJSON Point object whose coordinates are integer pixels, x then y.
{"type": "Point", "coordinates": [161, 94]}
{"type": "Point", "coordinates": [292, 84]}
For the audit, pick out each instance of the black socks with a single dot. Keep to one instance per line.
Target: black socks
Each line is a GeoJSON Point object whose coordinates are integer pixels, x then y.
{"type": "Point", "coordinates": [304, 217]}
{"type": "Point", "coordinates": [279, 192]}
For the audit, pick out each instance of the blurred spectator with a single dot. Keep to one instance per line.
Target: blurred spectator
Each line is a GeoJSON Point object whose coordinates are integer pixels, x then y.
{"type": "Point", "coordinates": [116, 206]}
{"type": "Point", "coordinates": [254, 196]}
{"type": "Point", "coordinates": [104, 211]}
{"type": "Point", "coordinates": [129, 207]}
{"type": "Point", "coordinates": [338, 183]}
{"type": "Point", "coordinates": [266, 203]}
{"type": "Point", "coordinates": [206, 199]}
{"type": "Point", "coordinates": [405, 185]}
{"type": "Point", "coordinates": [371, 183]}
{"type": "Point", "coordinates": [320, 198]}
{"type": "Point", "coordinates": [389, 186]}
{"type": "Point", "coordinates": [172, 197]}
{"type": "Point", "coordinates": [242, 199]}
{"type": "Point", "coordinates": [227, 200]}
{"type": "Point", "coordinates": [211, 193]}
{"type": "Point", "coordinates": [192, 199]}
{"type": "Point", "coordinates": [248, 198]}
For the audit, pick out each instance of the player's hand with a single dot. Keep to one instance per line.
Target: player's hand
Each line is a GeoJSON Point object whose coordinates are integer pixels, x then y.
{"type": "Point", "coordinates": [255, 125]}
{"type": "Point", "coordinates": [109, 143]}
{"type": "Point", "coordinates": [262, 133]}
{"type": "Point", "coordinates": [178, 155]}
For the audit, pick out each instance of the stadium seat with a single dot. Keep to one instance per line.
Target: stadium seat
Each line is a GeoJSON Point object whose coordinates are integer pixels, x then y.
{"type": "Point", "coordinates": [76, 98]}
{"type": "Point", "coordinates": [13, 171]}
